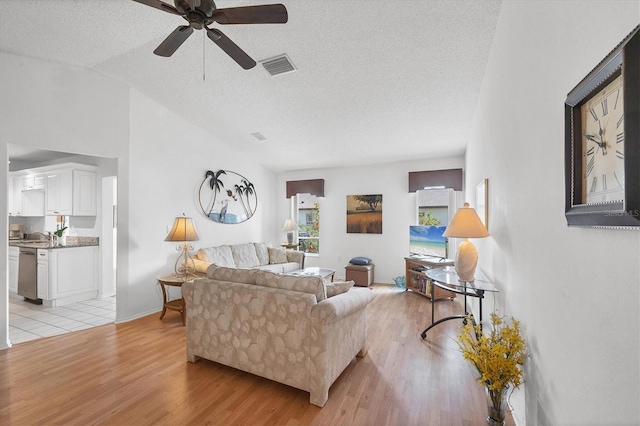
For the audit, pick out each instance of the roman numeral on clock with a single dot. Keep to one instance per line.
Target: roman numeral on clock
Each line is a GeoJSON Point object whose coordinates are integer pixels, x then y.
{"type": "Point", "coordinates": [594, 184]}
{"type": "Point", "coordinates": [619, 121]}
{"type": "Point", "coordinates": [605, 109]}
{"type": "Point", "coordinates": [620, 137]}
{"type": "Point", "coordinates": [590, 165]}
{"type": "Point", "coordinates": [593, 114]}
{"type": "Point", "coordinates": [604, 182]}
{"type": "Point", "coordinates": [620, 155]}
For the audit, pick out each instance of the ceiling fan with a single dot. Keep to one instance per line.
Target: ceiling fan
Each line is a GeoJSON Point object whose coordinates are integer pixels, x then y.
{"type": "Point", "coordinates": [201, 13]}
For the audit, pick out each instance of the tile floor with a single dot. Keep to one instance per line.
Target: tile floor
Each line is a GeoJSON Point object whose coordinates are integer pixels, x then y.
{"type": "Point", "coordinates": [28, 321]}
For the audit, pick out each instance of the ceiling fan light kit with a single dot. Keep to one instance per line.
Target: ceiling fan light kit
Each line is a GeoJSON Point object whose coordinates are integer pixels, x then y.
{"type": "Point", "coordinates": [201, 13]}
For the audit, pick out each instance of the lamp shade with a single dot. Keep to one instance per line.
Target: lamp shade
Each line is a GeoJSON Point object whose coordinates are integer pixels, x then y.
{"type": "Point", "coordinates": [183, 230]}
{"type": "Point", "coordinates": [289, 225]}
{"type": "Point", "coordinates": [466, 224]}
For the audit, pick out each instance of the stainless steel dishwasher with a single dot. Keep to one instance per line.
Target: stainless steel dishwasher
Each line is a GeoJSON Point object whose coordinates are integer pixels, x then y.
{"type": "Point", "coordinates": [28, 275]}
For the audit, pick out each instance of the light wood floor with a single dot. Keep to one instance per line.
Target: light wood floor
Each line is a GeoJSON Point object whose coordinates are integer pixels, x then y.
{"type": "Point", "coordinates": [136, 373]}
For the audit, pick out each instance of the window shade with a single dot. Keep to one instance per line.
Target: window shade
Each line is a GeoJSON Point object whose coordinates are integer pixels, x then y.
{"type": "Point", "coordinates": [310, 186]}
{"type": "Point", "coordinates": [449, 178]}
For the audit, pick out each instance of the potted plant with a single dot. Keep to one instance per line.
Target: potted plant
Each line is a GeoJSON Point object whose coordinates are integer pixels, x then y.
{"type": "Point", "coordinates": [497, 357]}
{"type": "Point", "coordinates": [61, 225]}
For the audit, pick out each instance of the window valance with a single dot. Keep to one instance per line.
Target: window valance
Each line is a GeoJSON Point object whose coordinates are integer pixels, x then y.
{"type": "Point", "coordinates": [449, 178]}
{"type": "Point", "coordinates": [309, 186]}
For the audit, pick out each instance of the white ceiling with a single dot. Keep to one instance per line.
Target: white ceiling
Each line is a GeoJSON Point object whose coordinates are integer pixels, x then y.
{"type": "Point", "coordinates": [377, 81]}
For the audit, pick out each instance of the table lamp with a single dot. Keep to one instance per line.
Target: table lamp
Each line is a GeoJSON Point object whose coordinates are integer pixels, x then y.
{"type": "Point", "coordinates": [290, 226]}
{"type": "Point", "coordinates": [183, 230]}
{"type": "Point", "coordinates": [466, 224]}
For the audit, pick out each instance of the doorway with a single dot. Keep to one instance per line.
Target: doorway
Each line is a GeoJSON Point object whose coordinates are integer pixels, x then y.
{"type": "Point", "coordinates": [29, 322]}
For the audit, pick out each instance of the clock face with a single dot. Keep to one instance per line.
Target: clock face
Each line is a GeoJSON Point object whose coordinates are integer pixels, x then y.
{"type": "Point", "coordinates": [603, 145]}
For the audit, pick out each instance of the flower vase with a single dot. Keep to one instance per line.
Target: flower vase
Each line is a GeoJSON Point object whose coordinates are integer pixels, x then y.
{"type": "Point", "coordinates": [496, 406]}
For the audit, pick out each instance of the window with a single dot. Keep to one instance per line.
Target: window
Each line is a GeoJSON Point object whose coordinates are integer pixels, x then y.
{"type": "Point", "coordinates": [308, 216]}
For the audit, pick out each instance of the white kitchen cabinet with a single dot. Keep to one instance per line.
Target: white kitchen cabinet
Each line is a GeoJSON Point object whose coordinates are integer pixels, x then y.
{"type": "Point", "coordinates": [71, 192]}
{"type": "Point", "coordinates": [32, 202]}
{"type": "Point", "coordinates": [14, 259]}
{"type": "Point", "coordinates": [85, 202]}
{"type": "Point", "coordinates": [42, 268]}
{"type": "Point", "coordinates": [71, 275]}
{"type": "Point", "coordinates": [10, 192]}
{"type": "Point", "coordinates": [32, 181]}
{"type": "Point", "coordinates": [59, 192]}
{"type": "Point", "coordinates": [27, 197]}
{"type": "Point", "coordinates": [17, 196]}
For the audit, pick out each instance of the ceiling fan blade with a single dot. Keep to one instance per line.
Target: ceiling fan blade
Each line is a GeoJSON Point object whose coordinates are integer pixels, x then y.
{"type": "Point", "coordinates": [231, 48]}
{"type": "Point", "coordinates": [265, 14]}
{"type": "Point", "coordinates": [175, 40]}
{"type": "Point", "coordinates": [160, 5]}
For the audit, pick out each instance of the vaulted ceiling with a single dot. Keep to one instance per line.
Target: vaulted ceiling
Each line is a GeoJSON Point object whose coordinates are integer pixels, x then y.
{"type": "Point", "coordinates": [376, 81]}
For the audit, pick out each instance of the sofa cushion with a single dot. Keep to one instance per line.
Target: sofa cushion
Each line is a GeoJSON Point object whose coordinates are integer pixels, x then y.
{"type": "Point", "coordinates": [277, 255]}
{"type": "Point", "coordinates": [262, 251]}
{"type": "Point", "coordinates": [338, 287]}
{"type": "Point", "coordinates": [305, 284]}
{"type": "Point", "coordinates": [246, 276]}
{"type": "Point", "coordinates": [280, 268]}
{"type": "Point", "coordinates": [244, 255]}
{"type": "Point", "coordinates": [220, 256]}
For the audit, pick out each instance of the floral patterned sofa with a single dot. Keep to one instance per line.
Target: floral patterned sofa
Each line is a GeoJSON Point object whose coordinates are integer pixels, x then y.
{"type": "Point", "coordinates": [249, 256]}
{"type": "Point", "coordinates": [281, 327]}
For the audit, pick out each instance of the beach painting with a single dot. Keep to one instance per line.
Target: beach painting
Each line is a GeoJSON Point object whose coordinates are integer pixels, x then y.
{"type": "Point", "coordinates": [427, 241]}
{"type": "Point", "coordinates": [364, 214]}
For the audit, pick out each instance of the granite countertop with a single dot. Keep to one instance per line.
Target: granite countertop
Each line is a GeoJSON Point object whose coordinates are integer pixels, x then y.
{"type": "Point", "coordinates": [44, 244]}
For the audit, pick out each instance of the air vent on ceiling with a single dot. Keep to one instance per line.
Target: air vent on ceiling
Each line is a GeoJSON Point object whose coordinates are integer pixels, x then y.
{"type": "Point", "coordinates": [278, 65]}
{"type": "Point", "coordinates": [258, 136]}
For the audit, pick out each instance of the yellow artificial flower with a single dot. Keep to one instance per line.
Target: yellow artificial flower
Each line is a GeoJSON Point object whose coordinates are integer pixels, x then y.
{"type": "Point", "coordinates": [498, 355]}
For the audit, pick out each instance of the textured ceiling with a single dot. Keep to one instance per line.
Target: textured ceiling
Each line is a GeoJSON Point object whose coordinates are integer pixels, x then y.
{"type": "Point", "coordinates": [377, 81]}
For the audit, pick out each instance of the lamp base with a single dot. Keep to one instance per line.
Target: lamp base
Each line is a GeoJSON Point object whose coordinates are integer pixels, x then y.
{"type": "Point", "coordinates": [290, 237]}
{"type": "Point", "coordinates": [466, 261]}
{"type": "Point", "coordinates": [185, 267]}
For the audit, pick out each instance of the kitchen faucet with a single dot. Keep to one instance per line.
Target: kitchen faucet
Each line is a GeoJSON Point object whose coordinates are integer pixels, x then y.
{"type": "Point", "coordinates": [48, 236]}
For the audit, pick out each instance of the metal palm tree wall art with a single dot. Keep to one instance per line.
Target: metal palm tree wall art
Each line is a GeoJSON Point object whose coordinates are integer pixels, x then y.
{"type": "Point", "coordinates": [227, 197]}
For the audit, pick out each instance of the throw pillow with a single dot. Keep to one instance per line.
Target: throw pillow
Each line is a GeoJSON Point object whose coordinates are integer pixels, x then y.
{"type": "Point", "coordinates": [244, 255]}
{"type": "Point", "coordinates": [338, 287]}
{"type": "Point", "coordinates": [360, 260]}
{"type": "Point", "coordinates": [277, 255]}
{"type": "Point", "coordinates": [220, 256]}
{"type": "Point", "coordinates": [262, 252]}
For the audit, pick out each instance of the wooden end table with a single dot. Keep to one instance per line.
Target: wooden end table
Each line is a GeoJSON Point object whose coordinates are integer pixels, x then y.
{"type": "Point", "coordinates": [173, 280]}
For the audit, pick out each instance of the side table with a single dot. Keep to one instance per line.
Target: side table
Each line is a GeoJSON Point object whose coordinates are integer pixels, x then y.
{"type": "Point", "coordinates": [447, 279]}
{"type": "Point", "coordinates": [172, 280]}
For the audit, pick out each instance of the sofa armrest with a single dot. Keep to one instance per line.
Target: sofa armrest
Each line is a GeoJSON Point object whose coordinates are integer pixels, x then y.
{"type": "Point", "coordinates": [296, 256]}
{"type": "Point", "coordinates": [338, 334]}
{"type": "Point", "coordinates": [334, 308]}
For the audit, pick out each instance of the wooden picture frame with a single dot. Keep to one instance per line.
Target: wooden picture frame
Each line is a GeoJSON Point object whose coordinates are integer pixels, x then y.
{"type": "Point", "coordinates": [623, 61]}
{"type": "Point", "coordinates": [482, 202]}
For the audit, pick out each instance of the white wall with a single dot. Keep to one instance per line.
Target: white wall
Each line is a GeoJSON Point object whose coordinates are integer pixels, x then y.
{"type": "Point", "coordinates": [576, 291]}
{"type": "Point", "coordinates": [161, 159]}
{"type": "Point", "coordinates": [51, 106]}
{"type": "Point", "coordinates": [169, 158]}
{"type": "Point", "coordinates": [387, 250]}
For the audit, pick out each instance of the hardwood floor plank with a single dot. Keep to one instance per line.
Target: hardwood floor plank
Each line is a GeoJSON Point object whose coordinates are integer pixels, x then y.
{"type": "Point", "coordinates": [137, 374]}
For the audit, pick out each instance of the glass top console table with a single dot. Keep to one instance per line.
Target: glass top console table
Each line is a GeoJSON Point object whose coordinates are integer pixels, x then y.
{"type": "Point", "coordinates": [447, 279]}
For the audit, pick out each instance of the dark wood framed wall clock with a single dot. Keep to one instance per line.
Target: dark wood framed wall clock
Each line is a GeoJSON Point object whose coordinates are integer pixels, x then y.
{"type": "Point", "coordinates": [602, 142]}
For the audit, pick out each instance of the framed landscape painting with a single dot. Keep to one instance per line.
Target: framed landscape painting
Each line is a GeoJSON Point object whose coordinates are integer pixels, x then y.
{"type": "Point", "coordinates": [364, 214]}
